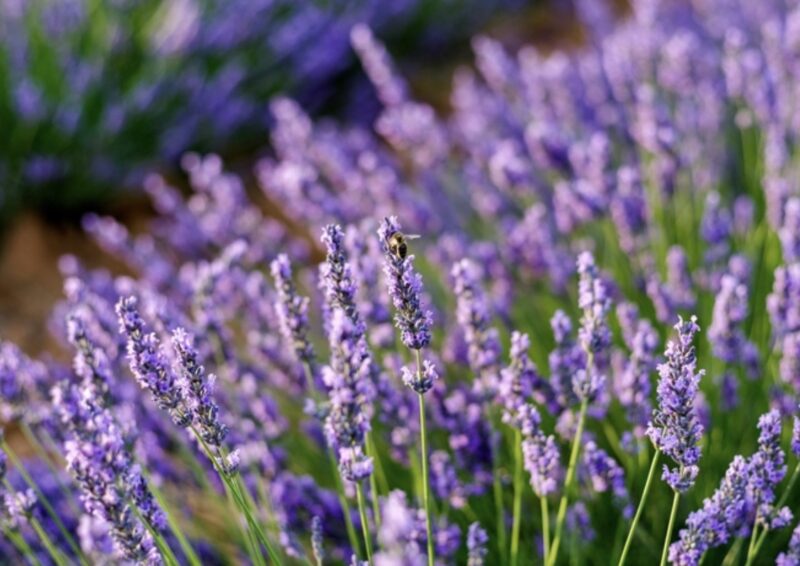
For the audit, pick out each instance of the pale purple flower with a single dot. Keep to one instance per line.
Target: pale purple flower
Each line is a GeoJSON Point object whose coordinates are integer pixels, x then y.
{"type": "Point", "coordinates": [542, 461]}
{"type": "Point", "coordinates": [789, 233]}
{"type": "Point", "coordinates": [632, 384]}
{"type": "Point", "coordinates": [604, 474]}
{"type": "Point", "coordinates": [317, 540]}
{"type": "Point", "coordinates": [594, 335]}
{"type": "Point", "coordinates": [675, 428]}
{"type": "Point", "coordinates": [565, 360]}
{"type": "Point", "coordinates": [520, 380]}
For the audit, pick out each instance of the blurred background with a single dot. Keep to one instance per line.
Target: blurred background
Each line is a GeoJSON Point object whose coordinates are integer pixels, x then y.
{"type": "Point", "coordinates": [96, 94]}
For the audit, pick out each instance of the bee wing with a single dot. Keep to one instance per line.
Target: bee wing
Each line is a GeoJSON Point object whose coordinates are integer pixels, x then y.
{"type": "Point", "coordinates": [412, 236]}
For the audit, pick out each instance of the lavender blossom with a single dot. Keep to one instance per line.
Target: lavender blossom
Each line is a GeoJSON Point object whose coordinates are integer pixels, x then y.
{"type": "Point", "coordinates": [336, 275]}
{"type": "Point", "coordinates": [520, 380]}
{"type": "Point", "coordinates": [725, 333]}
{"type": "Point", "coordinates": [405, 288]}
{"type": "Point", "coordinates": [674, 428]}
{"type": "Point", "coordinates": [542, 460]}
{"type": "Point", "coordinates": [632, 384]}
{"type": "Point", "coordinates": [565, 360]}
{"type": "Point", "coordinates": [292, 311]}
{"type": "Point", "coordinates": [594, 334]}
{"type": "Point", "coordinates": [476, 545]}
{"type": "Point", "coordinates": [723, 515]}
{"type": "Point", "coordinates": [789, 233]}
{"type": "Point", "coordinates": [605, 474]}
{"type": "Point", "coordinates": [474, 317]}
{"type": "Point", "coordinates": [796, 436]}
{"type": "Point", "coordinates": [110, 483]}
{"type": "Point", "coordinates": [148, 365]}
{"type": "Point", "coordinates": [768, 468]}
{"type": "Point", "coordinates": [197, 390]}
{"type": "Point", "coordinates": [351, 392]}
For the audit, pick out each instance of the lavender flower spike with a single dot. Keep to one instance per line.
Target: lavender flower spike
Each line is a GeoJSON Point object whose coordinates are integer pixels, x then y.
{"type": "Point", "coordinates": [476, 545]}
{"type": "Point", "coordinates": [675, 429]}
{"type": "Point", "coordinates": [292, 310]}
{"type": "Point", "coordinates": [197, 389]}
{"type": "Point", "coordinates": [347, 379]}
{"type": "Point", "coordinates": [594, 335]}
{"type": "Point", "coordinates": [148, 364]}
{"type": "Point", "coordinates": [474, 317]}
{"type": "Point", "coordinates": [405, 287]}
{"type": "Point", "coordinates": [337, 277]}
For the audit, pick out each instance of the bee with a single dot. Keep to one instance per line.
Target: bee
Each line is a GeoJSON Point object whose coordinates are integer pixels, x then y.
{"type": "Point", "coordinates": [398, 245]}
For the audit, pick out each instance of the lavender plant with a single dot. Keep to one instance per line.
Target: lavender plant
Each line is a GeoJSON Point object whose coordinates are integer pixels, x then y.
{"type": "Point", "coordinates": [571, 208]}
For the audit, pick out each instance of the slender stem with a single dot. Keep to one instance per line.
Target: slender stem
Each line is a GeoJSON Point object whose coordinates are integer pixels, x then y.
{"type": "Point", "coordinates": [44, 501]}
{"type": "Point", "coordinates": [22, 546]}
{"type": "Point", "coordinates": [48, 543]}
{"type": "Point", "coordinates": [545, 527]}
{"type": "Point", "coordinates": [752, 546]}
{"type": "Point", "coordinates": [500, 511]}
{"type": "Point", "coordinates": [362, 511]}
{"type": "Point", "coordinates": [373, 483]}
{"type": "Point", "coordinates": [516, 521]}
{"type": "Point", "coordinates": [640, 508]}
{"type": "Point", "coordinates": [573, 460]}
{"type": "Point", "coordinates": [668, 538]}
{"type": "Point", "coordinates": [426, 500]}
{"type": "Point", "coordinates": [174, 526]}
{"type": "Point", "coordinates": [733, 553]}
{"type": "Point", "coordinates": [43, 455]}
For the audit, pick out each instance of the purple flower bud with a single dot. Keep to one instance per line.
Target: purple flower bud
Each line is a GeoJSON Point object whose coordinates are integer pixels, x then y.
{"type": "Point", "coordinates": [796, 436]}
{"type": "Point", "coordinates": [542, 461]}
{"type": "Point", "coordinates": [725, 333]}
{"type": "Point", "coordinates": [675, 428]}
{"type": "Point", "coordinates": [789, 233]}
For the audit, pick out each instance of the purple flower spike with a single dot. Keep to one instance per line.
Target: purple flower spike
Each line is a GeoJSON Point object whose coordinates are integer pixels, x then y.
{"type": "Point", "coordinates": [593, 335]}
{"type": "Point", "coordinates": [148, 364]}
{"type": "Point", "coordinates": [722, 516]}
{"type": "Point", "coordinates": [292, 311]}
{"type": "Point", "coordinates": [520, 380]}
{"type": "Point", "coordinates": [727, 338]}
{"type": "Point", "coordinates": [474, 317]}
{"type": "Point", "coordinates": [405, 287]}
{"type": "Point", "coordinates": [675, 428]}
{"type": "Point", "coordinates": [476, 545]}
{"type": "Point", "coordinates": [337, 278]}
{"type": "Point", "coordinates": [317, 541]}
{"type": "Point", "coordinates": [542, 461]}
{"type": "Point", "coordinates": [351, 393]}
{"type": "Point", "coordinates": [632, 383]}
{"type": "Point", "coordinates": [197, 389]}
{"type": "Point", "coordinates": [420, 382]}
{"type": "Point", "coordinates": [796, 436]}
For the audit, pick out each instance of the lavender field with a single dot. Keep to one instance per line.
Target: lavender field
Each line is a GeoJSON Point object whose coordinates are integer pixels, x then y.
{"type": "Point", "coordinates": [554, 323]}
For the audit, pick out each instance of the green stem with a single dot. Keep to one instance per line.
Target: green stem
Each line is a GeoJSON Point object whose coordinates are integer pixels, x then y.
{"type": "Point", "coordinates": [426, 500]}
{"type": "Point", "coordinates": [573, 460]}
{"type": "Point", "coordinates": [373, 483]}
{"type": "Point", "coordinates": [752, 546]}
{"type": "Point", "coordinates": [45, 503]}
{"type": "Point", "coordinates": [42, 453]}
{"type": "Point", "coordinates": [670, 526]}
{"type": "Point", "coordinates": [733, 553]}
{"type": "Point", "coordinates": [516, 522]}
{"type": "Point", "coordinates": [640, 508]}
{"type": "Point", "coordinates": [22, 546]}
{"type": "Point", "coordinates": [186, 547]}
{"type": "Point", "coordinates": [362, 511]}
{"type": "Point", "coordinates": [500, 512]}
{"type": "Point", "coordinates": [545, 526]}
{"type": "Point", "coordinates": [48, 543]}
